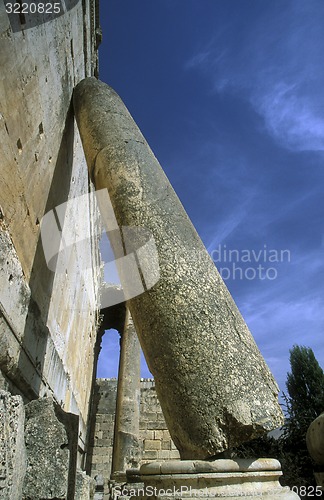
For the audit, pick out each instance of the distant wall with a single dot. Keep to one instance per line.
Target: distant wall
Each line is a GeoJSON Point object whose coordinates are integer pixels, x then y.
{"type": "Point", "coordinates": [155, 440]}
{"type": "Point", "coordinates": [48, 322]}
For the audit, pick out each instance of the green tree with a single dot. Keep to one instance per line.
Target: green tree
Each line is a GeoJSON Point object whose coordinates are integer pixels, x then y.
{"type": "Point", "coordinates": [304, 402]}
{"type": "Point", "coordinates": [305, 385]}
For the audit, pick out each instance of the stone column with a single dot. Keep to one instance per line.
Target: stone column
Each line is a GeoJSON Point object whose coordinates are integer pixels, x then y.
{"type": "Point", "coordinates": [214, 386]}
{"type": "Point", "coordinates": [126, 432]}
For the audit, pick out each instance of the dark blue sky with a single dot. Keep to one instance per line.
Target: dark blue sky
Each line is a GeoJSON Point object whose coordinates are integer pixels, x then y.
{"type": "Point", "coordinates": [229, 95]}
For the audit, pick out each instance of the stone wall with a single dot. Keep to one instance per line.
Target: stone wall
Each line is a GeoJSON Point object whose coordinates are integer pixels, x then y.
{"type": "Point", "coordinates": [155, 440]}
{"type": "Point", "coordinates": [51, 446]}
{"type": "Point", "coordinates": [38, 452]}
{"type": "Point", "coordinates": [100, 452]}
{"type": "Point", "coordinates": [12, 446]}
{"type": "Point", "coordinates": [48, 320]}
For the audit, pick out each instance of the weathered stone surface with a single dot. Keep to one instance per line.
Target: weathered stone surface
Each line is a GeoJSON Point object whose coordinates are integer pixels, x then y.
{"type": "Point", "coordinates": [51, 451]}
{"type": "Point", "coordinates": [12, 446]}
{"type": "Point", "coordinates": [84, 486]}
{"type": "Point", "coordinates": [44, 340]}
{"type": "Point", "coordinates": [152, 429]}
{"type": "Point", "coordinates": [213, 384]}
{"type": "Point", "coordinates": [126, 450]}
{"type": "Point", "coordinates": [315, 439]}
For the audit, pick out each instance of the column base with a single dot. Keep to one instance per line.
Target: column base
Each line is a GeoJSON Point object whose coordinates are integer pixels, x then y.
{"type": "Point", "coordinates": [231, 479]}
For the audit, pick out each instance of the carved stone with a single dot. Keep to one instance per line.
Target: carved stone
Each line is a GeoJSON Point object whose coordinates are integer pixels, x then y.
{"type": "Point", "coordinates": [231, 479]}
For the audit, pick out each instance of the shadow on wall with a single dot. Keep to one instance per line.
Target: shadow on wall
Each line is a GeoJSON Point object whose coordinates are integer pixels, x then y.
{"type": "Point", "coordinates": [36, 333]}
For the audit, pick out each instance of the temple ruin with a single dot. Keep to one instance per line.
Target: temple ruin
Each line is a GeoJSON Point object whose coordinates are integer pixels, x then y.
{"type": "Point", "coordinates": [73, 162]}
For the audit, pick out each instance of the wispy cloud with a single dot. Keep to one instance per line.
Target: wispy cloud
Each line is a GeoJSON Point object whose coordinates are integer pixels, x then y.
{"type": "Point", "coordinates": [207, 55]}
{"type": "Point", "coordinates": [225, 228]}
{"type": "Point", "coordinates": [276, 67]}
{"type": "Point", "coordinates": [283, 323]}
{"type": "Point", "coordinates": [292, 118]}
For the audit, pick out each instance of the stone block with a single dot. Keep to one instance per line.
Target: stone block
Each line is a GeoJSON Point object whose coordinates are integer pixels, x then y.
{"type": "Point", "coordinates": [150, 455]}
{"type": "Point", "coordinates": [105, 442]}
{"type": "Point", "coordinates": [51, 437]}
{"type": "Point", "coordinates": [102, 450]}
{"type": "Point", "coordinates": [104, 468]}
{"type": "Point", "coordinates": [166, 435]}
{"type": "Point", "coordinates": [150, 416]}
{"type": "Point", "coordinates": [158, 435]}
{"type": "Point", "coordinates": [166, 445]}
{"type": "Point", "coordinates": [157, 425]}
{"type": "Point", "coordinates": [98, 459]}
{"type": "Point", "coordinates": [105, 426]}
{"type": "Point", "coordinates": [145, 434]}
{"type": "Point", "coordinates": [12, 446]}
{"type": "Point", "coordinates": [108, 434]}
{"type": "Point", "coordinates": [164, 455]}
{"type": "Point", "coordinates": [84, 486]}
{"type": "Point", "coordinates": [152, 444]}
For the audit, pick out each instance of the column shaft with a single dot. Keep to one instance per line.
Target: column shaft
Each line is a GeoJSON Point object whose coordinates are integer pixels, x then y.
{"type": "Point", "coordinates": [214, 387]}
{"type": "Point", "coordinates": [126, 433]}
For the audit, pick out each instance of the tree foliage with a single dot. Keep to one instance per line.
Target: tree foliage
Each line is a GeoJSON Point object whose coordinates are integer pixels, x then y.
{"type": "Point", "coordinates": [305, 398]}
{"type": "Point", "coordinates": [303, 403]}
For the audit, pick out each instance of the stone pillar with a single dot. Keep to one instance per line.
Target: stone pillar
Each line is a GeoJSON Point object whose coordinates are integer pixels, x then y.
{"type": "Point", "coordinates": [126, 432]}
{"type": "Point", "coordinates": [214, 386]}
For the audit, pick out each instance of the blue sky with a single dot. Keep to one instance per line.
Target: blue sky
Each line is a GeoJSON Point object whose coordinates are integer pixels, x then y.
{"type": "Point", "coordinates": [229, 95]}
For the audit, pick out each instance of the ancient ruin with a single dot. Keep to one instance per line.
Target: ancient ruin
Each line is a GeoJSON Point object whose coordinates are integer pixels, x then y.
{"type": "Point", "coordinates": [213, 385]}
{"type": "Point", "coordinates": [65, 135]}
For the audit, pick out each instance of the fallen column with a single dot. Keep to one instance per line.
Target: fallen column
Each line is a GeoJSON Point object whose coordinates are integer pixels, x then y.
{"type": "Point", "coordinates": [214, 387]}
